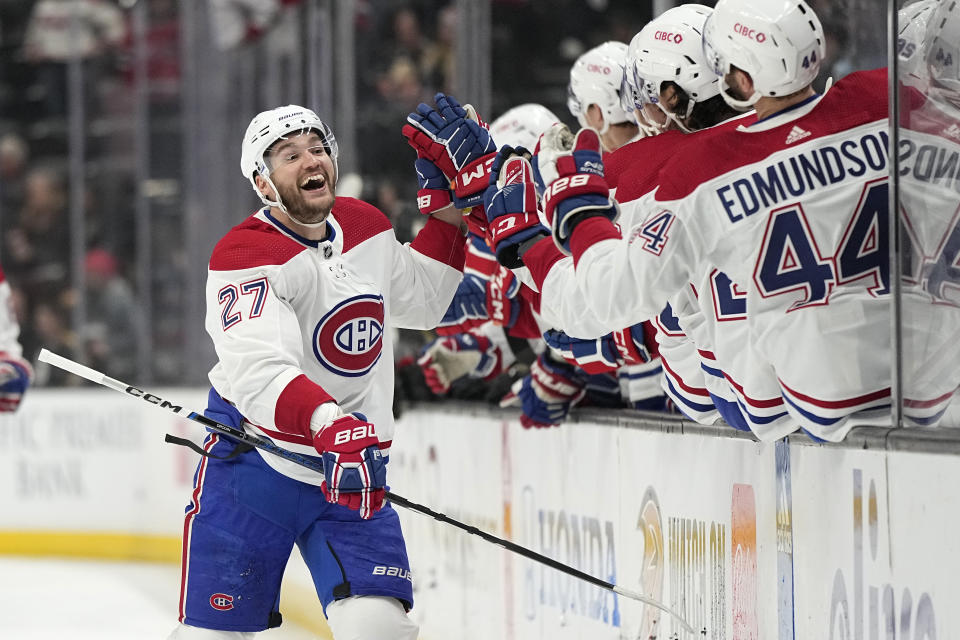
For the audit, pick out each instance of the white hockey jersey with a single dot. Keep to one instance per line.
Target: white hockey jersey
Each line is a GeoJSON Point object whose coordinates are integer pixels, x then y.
{"type": "Point", "coordinates": [9, 327]}
{"type": "Point", "coordinates": [930, 235]}
{"type": "Point", "coordinates": [792, 208]}
{"type": "Point", "coordinates": [297, 322]}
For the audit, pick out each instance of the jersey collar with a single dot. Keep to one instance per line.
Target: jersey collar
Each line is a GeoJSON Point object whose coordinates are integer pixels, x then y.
{"type": "Point", "coordinates": [331, 231]}
{"type": "Point", "coordinates": [793, 112]}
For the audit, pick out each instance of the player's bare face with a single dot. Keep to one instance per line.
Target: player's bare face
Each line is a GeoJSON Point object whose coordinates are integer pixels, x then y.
{"type": "Point", "coordinates": [654, 114]}
{"type": "Point", "coordinates": [304, 176]}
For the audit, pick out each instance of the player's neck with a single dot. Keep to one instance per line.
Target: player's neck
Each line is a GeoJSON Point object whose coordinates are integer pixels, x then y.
{"type": "Point", "coordinates": [316, 232]}
{"type": "Point", "coordinates": [618, 135]}
{"type": "Point", "coordinates": [767, 107]}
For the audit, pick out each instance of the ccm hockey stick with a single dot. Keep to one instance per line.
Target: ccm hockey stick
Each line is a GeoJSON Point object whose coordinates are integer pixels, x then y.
{"type": "Point", "coordinates": [267, 445]}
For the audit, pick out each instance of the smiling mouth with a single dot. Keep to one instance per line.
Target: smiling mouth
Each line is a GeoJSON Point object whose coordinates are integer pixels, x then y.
{"type": "Point", "coordinates": [314, 183]}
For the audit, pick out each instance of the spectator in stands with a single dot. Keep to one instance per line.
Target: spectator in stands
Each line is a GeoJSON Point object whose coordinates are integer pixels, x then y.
{"type": "Point", "coordinates": [61, 30]}
{"type": "Point", "coordinates": [13, 165]}
{"type": "Point", "coordinates": [439, 60]}
{"type": "Point", "coordinates": [112, 328]}
{"type": "Point", "coordinates": [36, 251]}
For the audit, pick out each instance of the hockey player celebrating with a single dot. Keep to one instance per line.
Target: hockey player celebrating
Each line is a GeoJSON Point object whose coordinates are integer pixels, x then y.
{"type": "Point", "coordinates": [300, 297]}
{"type": "Point", "coordinates": [766, 215]}
{"type": "Point", "coordinates": [668, 78]}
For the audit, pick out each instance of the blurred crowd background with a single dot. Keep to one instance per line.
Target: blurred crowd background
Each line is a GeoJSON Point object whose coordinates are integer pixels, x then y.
{"type": "Point", "coordinates": [121, 122]}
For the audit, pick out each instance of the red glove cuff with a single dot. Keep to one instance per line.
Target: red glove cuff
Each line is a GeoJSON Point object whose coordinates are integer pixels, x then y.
{"type": "Point", "coordinates": [430, 200]}
{"type": "Point", "coordinates": [474, 177]}
{"type": "Point", "coordinates": [577, 184]}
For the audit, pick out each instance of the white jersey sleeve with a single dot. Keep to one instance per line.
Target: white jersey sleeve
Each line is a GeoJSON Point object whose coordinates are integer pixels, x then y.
{"type": "Point", "coordinates": [425, 275]}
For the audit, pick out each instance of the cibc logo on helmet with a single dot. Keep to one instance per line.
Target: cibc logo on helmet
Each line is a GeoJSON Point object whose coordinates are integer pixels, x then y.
{"type": "Point", "coordinates": [668, 36]}
{"type": "Point", "coordinates": [747, 32]}
{"type": "Point", "coordinates": [599, 68]}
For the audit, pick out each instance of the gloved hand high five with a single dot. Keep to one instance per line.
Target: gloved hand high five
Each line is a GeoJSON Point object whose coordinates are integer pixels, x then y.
{"type": "Point", "coordinates": [451, 357]}
{"type": "Point", "coordinates": [511, 205]}
{"type": "Point", "coordinates": [547, 393]}
{"type": "Point", "coordinates": [570, 172]}
{"type": "Point", "coordinates": [355, 474]}
{"type": "Point", "coordinates": [601, 355]}
{"type": "Point", "coordinates": [434, 192]}
{"type": "Point", "coordinates": [468, 309]}
{"type": "Point", "coordinates": [453, 138]}
{"type": "Point", "coordinates": [15, 377]}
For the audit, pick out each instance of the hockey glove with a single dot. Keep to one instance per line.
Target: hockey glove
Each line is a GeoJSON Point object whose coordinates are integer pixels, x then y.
{"type": "Point", "coordinates": [355, 474]}
{"type": "Point", "coordinates": [451, 357]}
{"type": "Point", "coordinates": [546, 394]}
{"type": "Point", "coordinates": [601, 355]}
{"type": "Point", "coordinates": [453, 138]}
{"type": "Point", "coordinates": [468, 308]}
{"type": "Point", "coordinates": [434, 192]}
{"type": "Point", "coordinates": [574, 188]}
{"type": "Point", "coordinates": [503, 307]}
{"type": "Point", "coordinates": [15, 377]}
{"type": "Point", "coordinates": [511, 205]}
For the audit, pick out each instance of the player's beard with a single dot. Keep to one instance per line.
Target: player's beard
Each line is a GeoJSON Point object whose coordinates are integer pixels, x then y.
{"type": "Point", "coordinates": [306, 212]}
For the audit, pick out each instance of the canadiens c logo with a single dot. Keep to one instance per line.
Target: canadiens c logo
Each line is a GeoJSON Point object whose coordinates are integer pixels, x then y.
{"type": "Point", "coordinates": [221, 602]}
{"type": "Point", "coordinates": [347, 340]}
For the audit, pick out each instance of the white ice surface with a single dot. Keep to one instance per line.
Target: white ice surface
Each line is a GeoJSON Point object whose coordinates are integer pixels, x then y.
{"type": "Point", "coordinates": [57, 599]}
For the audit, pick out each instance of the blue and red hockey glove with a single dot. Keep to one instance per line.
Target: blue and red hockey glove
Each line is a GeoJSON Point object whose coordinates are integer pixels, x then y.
{"type": "Point", "coordinates": [511, 205]}
{"type": "Point", "coordinates": [15, 376]}
{"type": "Point", "coordinates": [546, 394]}
{"type": "Point", "coordinates": [449, 358]}
{"type": "Point", "coordinates": [458, 142]}
{"type": "Point", "coordinates": [570, 172]}
{"type": "Point", "coordinates": [468, 308]}
{"type": "Point", "coordinates": [355, 474]}
{"type": "Point", "coordinates": [604, 354]}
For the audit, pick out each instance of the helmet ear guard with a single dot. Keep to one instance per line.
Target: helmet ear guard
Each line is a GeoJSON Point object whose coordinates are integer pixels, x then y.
{"type": "Point", "coordinates": [266, 128]}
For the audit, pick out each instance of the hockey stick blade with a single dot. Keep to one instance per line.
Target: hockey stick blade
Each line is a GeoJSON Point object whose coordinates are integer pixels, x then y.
{"type": "Point", "coordinates": [267, 445]}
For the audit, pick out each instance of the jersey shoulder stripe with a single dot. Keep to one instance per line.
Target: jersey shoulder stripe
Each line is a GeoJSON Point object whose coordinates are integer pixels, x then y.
{"type": "Point", "coordinates": [253, 243]}
{"type": "Point", "coordinates": [358, 220]}
{"type": "Point", "coordinates": [858, 99]}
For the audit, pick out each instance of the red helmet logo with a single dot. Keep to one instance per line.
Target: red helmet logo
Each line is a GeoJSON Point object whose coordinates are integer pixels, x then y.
{"type": "Point", "coordinates": [221, 602]}
{"type": "Point", "coordinates": [348, 339]}
{"type": "Point", "coordinates": [747, 32]}
{"type": "Point", "coordinates": [599, 68]}
{"type": "Point", "coordinates": [668, 36]}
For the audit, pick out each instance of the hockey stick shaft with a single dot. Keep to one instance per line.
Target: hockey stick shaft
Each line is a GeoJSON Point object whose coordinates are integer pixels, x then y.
{"type": "Point", "coordinates": [261, 443]}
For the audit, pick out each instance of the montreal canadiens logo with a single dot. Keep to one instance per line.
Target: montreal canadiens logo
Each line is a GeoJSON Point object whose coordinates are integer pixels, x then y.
{"type": "Point", "coordinates": [347, 340]}
{"type": "Point", "coordinates": [221, 602]}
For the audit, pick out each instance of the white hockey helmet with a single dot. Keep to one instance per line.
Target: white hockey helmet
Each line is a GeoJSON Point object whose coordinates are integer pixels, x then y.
{"type": "Point", "coordinates": [911, 39]}
{"type": "Point", "coordinates": [595, 78]}
{"type": "Point", "coordinates": [943, 47]}
{"type": "Point", "coordinates": [780, 43]}
{"type": "Point", "coordinates": [522, 125]}
{"type": "Point", "coordinates": [275, 124]}
{"type": "Point", "coordinates": [668, 49]}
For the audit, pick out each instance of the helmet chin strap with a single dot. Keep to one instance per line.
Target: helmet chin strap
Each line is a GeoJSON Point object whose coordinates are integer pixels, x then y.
{"type": "Point", "coordinates": [739, 105]}
{"type": "Point", "coordinates": [272, 203]}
